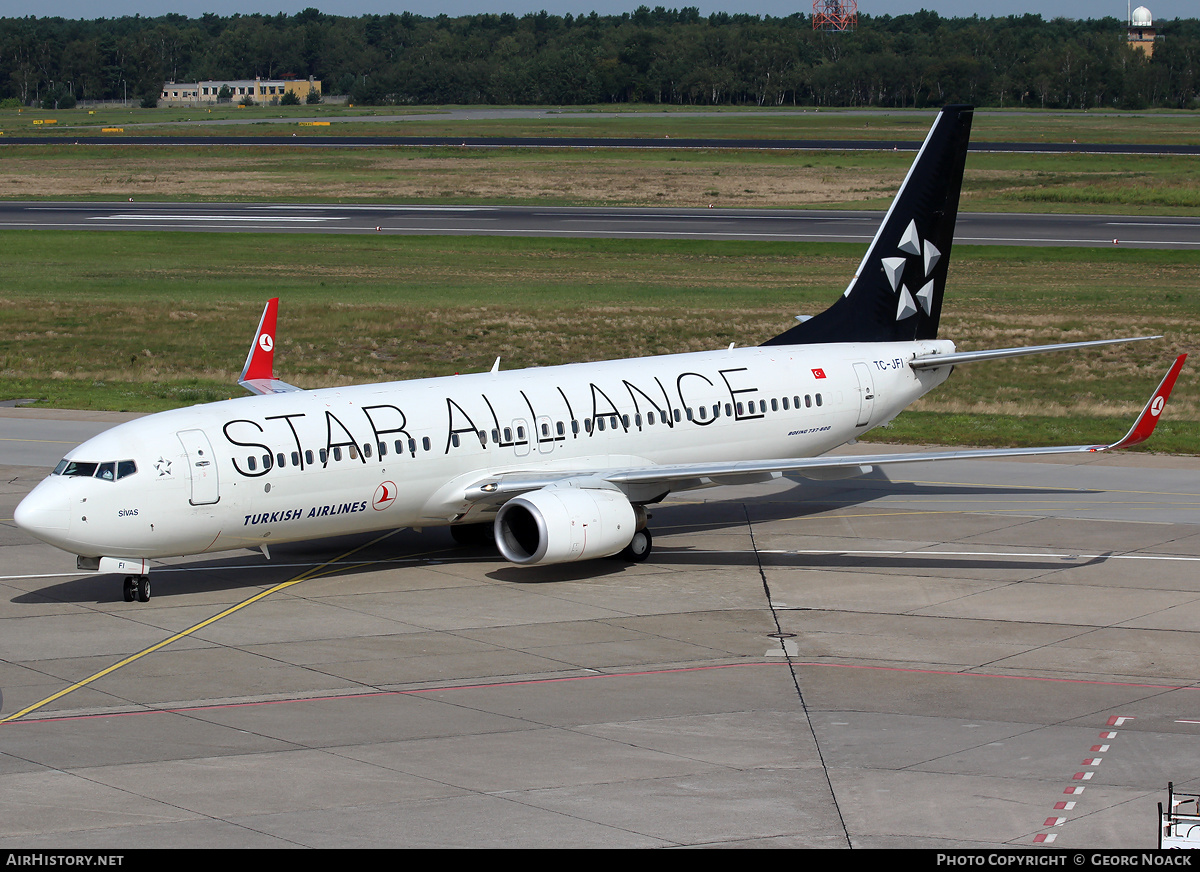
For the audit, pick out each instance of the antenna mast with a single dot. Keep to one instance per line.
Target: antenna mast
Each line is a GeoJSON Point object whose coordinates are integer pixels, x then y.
{"type": "Point", "coordinates": [835, 15]}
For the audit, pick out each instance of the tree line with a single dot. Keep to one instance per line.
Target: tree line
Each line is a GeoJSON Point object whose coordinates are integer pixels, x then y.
{"type": "Point", "coordinates": [669, 56]}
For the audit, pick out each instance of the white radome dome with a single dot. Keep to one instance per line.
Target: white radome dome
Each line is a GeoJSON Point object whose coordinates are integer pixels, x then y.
{"type": "Point", "coordinates": [1142, 17]}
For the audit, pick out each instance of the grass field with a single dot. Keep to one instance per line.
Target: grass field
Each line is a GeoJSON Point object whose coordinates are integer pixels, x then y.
{"type": "Point", "coordinates": [1120, 184]}
{"type": "Point", "coordinates": [146, 321]}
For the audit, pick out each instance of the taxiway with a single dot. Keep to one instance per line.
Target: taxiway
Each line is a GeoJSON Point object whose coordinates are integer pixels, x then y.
{"type": "Point", "coordinates": [793, 225]}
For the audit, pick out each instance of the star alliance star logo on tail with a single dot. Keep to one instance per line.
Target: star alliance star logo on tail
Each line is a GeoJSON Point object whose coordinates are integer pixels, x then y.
{"type": "Point", "coordinates": [893, 268]}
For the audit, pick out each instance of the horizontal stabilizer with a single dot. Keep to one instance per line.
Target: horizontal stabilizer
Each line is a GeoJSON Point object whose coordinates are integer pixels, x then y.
{"type": "Point", "coordinates": [930, 361]}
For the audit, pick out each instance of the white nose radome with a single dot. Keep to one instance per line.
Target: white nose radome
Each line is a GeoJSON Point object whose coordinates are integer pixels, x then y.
{"type": "Point", "coordinates": [44, 513]}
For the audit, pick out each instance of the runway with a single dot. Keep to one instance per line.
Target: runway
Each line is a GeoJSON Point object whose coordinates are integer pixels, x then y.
{"type": "Point", "coordinates": [592, 222]}
{"type": "Point", "coordinates": [970, 655]}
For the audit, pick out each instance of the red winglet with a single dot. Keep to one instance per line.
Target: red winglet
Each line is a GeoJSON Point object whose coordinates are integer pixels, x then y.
{"type": "Point", "coordinates": [260, 360]}
{"type": "Point", "coordinates": [1148, 420]}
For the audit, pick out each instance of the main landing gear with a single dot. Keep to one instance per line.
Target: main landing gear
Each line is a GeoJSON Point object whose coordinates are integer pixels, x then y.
{"type": "Point", "coordinates": [639, 547]}
{"type": "Point", "coordinates": [136, 587]}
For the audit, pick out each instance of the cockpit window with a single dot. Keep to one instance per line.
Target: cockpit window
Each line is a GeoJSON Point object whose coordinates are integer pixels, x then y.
{"type": "Point", "coordinates": [77, 467]}
{"type": "Point", "coordinates": [109, 470]}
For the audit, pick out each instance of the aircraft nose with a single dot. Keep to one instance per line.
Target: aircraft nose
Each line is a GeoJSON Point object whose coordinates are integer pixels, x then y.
{"type": "Point", "coordinates": [43, 514]}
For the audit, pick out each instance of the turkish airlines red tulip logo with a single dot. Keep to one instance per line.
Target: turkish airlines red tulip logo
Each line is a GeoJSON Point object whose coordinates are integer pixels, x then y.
{"type": "Point", "coordinates": [385, 495]}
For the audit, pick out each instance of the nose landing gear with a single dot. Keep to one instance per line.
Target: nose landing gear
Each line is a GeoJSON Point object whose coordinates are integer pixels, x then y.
{"type": "Point", "coordinates": [136, 587]}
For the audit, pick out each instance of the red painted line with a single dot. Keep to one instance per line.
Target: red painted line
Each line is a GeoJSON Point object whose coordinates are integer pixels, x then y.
{"type": "Point", "coordinates": [1013, 677]}
{"type": "Point", "coordinates": [383, 693]}
{"type": "Point", "coordinates": [1064, 805]}
{"type": "Point", "coordinates": [1114, 720]}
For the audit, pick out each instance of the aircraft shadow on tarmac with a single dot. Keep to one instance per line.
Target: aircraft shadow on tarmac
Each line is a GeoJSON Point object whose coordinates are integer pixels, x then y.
{"type": "Point", "coordinates": [832, 560]}
{"type": "Point", "coordinates": [405, 548]}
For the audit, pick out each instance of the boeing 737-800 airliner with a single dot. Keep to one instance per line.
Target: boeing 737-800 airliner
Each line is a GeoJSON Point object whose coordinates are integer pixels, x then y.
{"type": "Point", "coordinates": [560, 461]}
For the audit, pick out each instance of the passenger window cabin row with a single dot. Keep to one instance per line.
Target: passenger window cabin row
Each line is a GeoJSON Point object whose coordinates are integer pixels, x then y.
{"type": "Point", "coordinates": [754, 408]}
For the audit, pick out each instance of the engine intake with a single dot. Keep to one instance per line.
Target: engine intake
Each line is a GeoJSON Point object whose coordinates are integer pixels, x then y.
{"type": "Point", "coordinates": [561, 524]}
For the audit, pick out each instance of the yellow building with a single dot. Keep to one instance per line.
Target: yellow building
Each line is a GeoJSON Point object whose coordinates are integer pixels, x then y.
{"type": "Point", "coordinates": [265, 91]}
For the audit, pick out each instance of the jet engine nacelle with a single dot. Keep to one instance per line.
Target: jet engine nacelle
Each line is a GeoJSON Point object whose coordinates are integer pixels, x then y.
{"type": "Point", "coordinates": [560, 524]}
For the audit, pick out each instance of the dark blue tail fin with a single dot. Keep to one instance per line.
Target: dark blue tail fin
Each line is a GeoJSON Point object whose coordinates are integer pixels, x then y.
{"type": "Point", "coordinates": [896, 295]}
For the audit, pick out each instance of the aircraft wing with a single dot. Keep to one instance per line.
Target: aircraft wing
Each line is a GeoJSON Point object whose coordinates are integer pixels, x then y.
{"type": "Point", "coordinates": [267, 386]}
{"type": "Point", "coordinates": [503, 486]}
{"type": "Point", "coordinates": [258, 373]}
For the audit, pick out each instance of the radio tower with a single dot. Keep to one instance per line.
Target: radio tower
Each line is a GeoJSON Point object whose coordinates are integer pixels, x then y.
{"type": "Point", "coordinates": [835, 15]}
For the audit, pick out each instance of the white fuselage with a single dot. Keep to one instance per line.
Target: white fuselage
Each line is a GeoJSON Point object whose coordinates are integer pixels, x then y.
{"type": "Point", "coordinates": [308, 464]}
